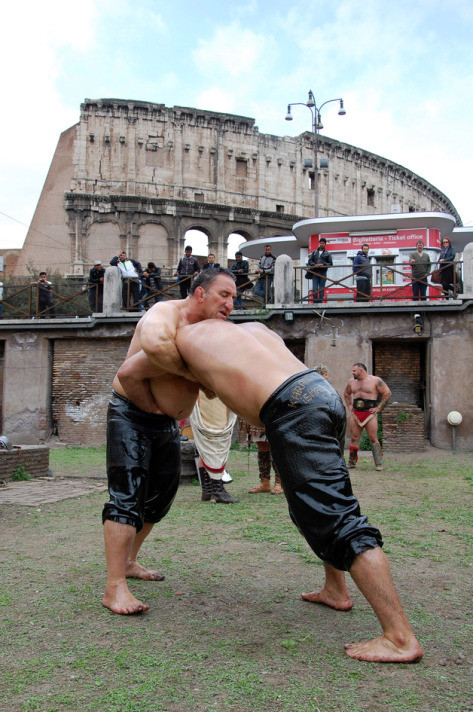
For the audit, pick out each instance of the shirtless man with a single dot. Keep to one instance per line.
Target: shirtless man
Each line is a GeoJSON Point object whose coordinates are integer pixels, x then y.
{"type": "Point", "coordinates": [304, 418]}
{"type": "Point", "coordinates": [143, 444]}
{"type": "Point", "coordinates": [361, 397]}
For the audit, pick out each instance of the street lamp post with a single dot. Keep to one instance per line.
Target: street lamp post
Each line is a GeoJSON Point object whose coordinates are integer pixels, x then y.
{"type": "Point", "coordinates": [316, 127]}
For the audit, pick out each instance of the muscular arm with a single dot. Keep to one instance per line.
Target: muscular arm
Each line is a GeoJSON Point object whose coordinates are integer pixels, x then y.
{"type": "Point", "coordinates": [385, 393]}
{"type": "Point", "coordinates": [158, 355]}
{"type": "Point", "coordinates": [134, 375]}
{"type": "Point", "coordinates": [347, 396]}
{"type": "Point", "coordinates": [157, 336]}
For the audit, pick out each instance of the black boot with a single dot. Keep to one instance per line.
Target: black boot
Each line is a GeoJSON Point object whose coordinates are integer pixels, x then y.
{"type": "Point", "coordinates": [213, 490]}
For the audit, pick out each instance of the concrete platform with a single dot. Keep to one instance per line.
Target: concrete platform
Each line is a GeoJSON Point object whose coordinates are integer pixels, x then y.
{"type": "Point", "coordinates": [47, 490]}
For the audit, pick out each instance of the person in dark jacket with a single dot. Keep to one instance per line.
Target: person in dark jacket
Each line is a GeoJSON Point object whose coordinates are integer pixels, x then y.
{"type": "Point", "coordinates": [446, 258]}
{"type": "Point", "coordinates": [420, 265]}
{"type": "Point", "coordinates": [240, 269]}
{"type": "Point", "coordinates": [187, 268]}
{"type": "Point", "coordinates": [96, 277]}
{"type": "Point", "coordinates": [211, 264]}
{"type": "Point", "coordinates": [265, 269]}
{"type": "Point", "coordinates": [319, 261]}
{"type": "Point", "coordinates": [362, 272]}
{"type": "Point", "coordinates": [153, 284]}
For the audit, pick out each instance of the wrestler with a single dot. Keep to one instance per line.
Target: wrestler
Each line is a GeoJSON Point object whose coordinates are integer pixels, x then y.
{"type": "Point", "coordinates": [365, 397]}
{"type": "Point", "coordinates": [143, 444]}
{"type": "Point", "coordinates": [304, 418]}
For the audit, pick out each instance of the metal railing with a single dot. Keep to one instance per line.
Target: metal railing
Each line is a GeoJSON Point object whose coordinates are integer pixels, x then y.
{"type": "Point", "coordinates": [24, 301]}
{"type": "Point", "coordinates": [382, 283]}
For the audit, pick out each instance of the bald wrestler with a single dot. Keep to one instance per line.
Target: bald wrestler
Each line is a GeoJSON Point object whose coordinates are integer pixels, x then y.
{"type": "Point", "coordinates": [304, 418]}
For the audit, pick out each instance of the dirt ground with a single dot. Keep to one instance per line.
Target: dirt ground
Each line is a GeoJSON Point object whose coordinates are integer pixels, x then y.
{"type": "Point", "coordinates": [227, 629]}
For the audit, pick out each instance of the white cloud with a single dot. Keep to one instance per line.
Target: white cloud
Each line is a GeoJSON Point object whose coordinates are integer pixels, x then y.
{"type": "Point", "coordinates": [231, 51]}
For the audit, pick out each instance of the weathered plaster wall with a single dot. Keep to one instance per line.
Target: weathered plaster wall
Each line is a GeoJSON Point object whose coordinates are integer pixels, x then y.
{"type": "Point", "coordinates": [85, 361]}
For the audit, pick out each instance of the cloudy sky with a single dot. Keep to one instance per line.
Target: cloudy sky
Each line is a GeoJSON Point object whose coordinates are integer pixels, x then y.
{"type": "Point", "coordinates": [404, 70]}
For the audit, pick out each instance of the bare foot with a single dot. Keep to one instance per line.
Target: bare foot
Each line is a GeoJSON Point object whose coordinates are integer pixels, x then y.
{"type": "Point", "coordinates": [383, 650]}
{"type": "Point", "coordinates": [338, 601]}
{"type": "Point", "coordinates": [119, 599]}
{"type": "Point", "coordinates": [135, 570]}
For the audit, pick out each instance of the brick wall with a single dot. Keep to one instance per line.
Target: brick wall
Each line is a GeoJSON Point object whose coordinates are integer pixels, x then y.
{"type": "Point", "coordinates": [401, 366]}
{"type": "Point", "coordinates": [35, 458]}
{"type": "Point", "coordinates": [83, 371]}
{"type": "Point", "coordinates": [403, 428]}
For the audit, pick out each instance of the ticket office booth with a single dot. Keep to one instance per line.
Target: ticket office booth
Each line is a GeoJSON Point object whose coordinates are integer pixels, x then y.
{"type": "Point", "coordinates": [389, 257]}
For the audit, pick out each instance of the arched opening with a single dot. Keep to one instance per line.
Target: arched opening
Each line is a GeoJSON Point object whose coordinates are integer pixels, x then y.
{"type": "Point", "coordinates": [199, 241]}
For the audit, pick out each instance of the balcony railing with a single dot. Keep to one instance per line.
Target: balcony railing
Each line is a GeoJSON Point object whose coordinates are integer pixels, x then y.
{"type": "Point", "coordinates": [388, 283]}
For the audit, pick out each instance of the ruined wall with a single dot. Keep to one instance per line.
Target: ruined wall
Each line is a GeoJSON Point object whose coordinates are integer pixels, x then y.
{"type": "Point", "coordinates": [137, 175]}
{"type": "Point", "coordinates": [83, 371]}
{"type": "Point", "coordinates": [59, 375]}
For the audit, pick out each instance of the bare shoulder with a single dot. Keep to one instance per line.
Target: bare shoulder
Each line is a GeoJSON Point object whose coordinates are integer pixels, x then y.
{"type": "Point", "coordinates": [380, 384]}
{"type": "Point", "coordinates": [160, 314]}
{"type": "Point", "coordinates": [349, 386]}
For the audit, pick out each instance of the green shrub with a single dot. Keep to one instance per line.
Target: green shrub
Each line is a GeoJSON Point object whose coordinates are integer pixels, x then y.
{"type": "Point", "coordinates": [21, 474]}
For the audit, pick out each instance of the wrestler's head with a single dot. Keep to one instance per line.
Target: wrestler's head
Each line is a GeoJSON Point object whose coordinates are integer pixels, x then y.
{"type": "Point", "coordinates": [215, 291]}
{"type": "Point", "coordinates": [358, 370]}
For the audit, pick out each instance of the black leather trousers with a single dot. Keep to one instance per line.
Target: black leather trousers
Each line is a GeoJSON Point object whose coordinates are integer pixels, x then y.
{"type": "Point", "coordinates": [143, 464]}
{"type": "Point", "coordinates": [304, 421]}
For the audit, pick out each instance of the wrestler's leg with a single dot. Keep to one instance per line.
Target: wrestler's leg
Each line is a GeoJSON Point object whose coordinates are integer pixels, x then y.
{"type": "Point", "coordinates": [372, 429]}
{"type": "Point", "coordinates": [133, 568]}
{"type": "Point", "coordinates": [355, 431]}
{"type": "Point", "coordinates": [119, 540]}
{"type": "Point", "coordinates": [334, 591]}
{"type": "Point", "coordinates": [398, 644]}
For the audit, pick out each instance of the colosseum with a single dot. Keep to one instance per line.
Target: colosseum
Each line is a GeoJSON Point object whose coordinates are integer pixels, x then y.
{"type": "Point", "coordinates": [138, 176]}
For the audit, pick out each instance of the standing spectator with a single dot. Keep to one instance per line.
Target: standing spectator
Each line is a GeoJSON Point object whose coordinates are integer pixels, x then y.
{"type": "Point", "coordinates": [446, 258]}
{"type": "Point", "coordinates": [153, 284]}
{"type": "Point", "coordinates": [96, 277]}
{"type": "Point", "coordinates": [187, 268]}
{"type": "Point", "coordinates": [240, 269]}
{"type": "Point", "coordinates": [362, 272]}
{"type": "Point", "coordinates": [266, 271]}
{"type": "Point", "coordinates": [211, 264]}
{"type": "Point", "coordinates": [45, 298]}
{"type": "Point", "coordinates": [131, 272]}
{"type": "Point", "coordinates": [212, 426]}
{"type": "Point", "coordinates": [258, 436]}
{"type": "Point", "coordinates": [319, 261]}
{"type": "Point", "coordinates": [420, 262]}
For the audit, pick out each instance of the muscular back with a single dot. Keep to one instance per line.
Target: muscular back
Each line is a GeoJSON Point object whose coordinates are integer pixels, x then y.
{"type": "Point", "coordinates": [242, 364]}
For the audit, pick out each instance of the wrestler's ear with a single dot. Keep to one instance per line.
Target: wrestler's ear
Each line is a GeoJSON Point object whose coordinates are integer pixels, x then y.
{"type": "Point", "coordinates": [199, 293]}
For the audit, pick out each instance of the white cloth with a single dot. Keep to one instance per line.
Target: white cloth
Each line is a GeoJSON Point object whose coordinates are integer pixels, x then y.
{"type": "Point", "coordinates": [212, 426]}
{"type": "Point", "coordinates": [127, 269]}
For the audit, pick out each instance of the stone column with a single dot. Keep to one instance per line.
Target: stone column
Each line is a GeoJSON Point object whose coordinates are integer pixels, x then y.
{"type": "Point", "coordinates": [284, 282]}
{"type": "Point", "coordinates": [468, 271]}
{"type": "Point", "coordinates": [112, 292]}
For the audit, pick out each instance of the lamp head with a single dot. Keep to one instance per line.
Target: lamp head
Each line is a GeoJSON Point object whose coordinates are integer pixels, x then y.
{"type": "Point", "coordinates": [341, 111]}
{"type": "Point", "coordinates": [288, 115]}
{"type": "Point", "coordinates": [310, 100]}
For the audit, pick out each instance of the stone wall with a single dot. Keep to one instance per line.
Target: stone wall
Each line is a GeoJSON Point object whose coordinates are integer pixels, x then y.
{"type": "Point", "coordinates": [403, 428]}
{"type": "Point", "coordinates": [83, 371]}
{"type": "Point", "coordinates": [58, 373]}
{"type": "Point", "coordinates": [34, 458]}
{"type": "Point", "coordinates": [137, 175]}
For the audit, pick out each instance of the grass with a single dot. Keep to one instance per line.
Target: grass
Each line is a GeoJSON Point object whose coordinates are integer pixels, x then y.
{"type": "Point", "coordinates": [227, 630]}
